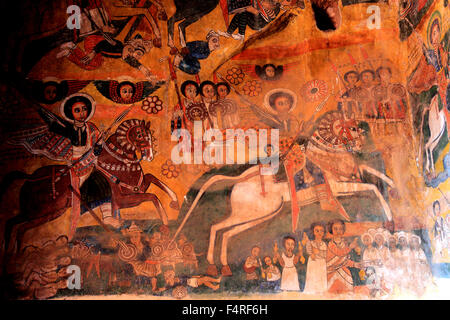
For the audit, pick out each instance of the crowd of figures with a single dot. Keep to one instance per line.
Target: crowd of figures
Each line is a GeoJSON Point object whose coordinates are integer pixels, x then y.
{"type": "Point", "coordinates": [370, 94]}
{"type": "Point", "coordinates": [376, 263]}
{"type": "Point", "coordinates": [143, 261]}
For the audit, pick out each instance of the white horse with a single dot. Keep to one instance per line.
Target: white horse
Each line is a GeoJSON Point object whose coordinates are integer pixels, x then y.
{"type": "Point", "coordinates": [436, 124]}
{"type": "Point", "coordinates": [251, 207]}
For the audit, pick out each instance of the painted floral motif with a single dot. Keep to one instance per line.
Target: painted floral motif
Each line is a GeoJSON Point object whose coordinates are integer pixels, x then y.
{"type": "Point", "coordinates": [252, 88]}
{"type": "Point", "coordinates": [315, 90]}
{"type": "Point", "coordinates": [152, 105]}
{"type": "Point", "coordinates": [170, 170]}
{"type": "Point", "coordinates": [235, 76]}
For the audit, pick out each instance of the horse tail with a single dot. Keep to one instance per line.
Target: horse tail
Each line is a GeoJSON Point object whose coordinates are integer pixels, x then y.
{"type": "Point", "coordinates": [9, 178]}
{"type": "Point", "coordinates": [244, 176]}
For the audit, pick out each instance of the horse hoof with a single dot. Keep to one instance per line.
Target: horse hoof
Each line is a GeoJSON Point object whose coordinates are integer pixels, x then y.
{"type": "Point", "coordinates": [173, 51]}
{"type": "Point", "coordinates": [212, 270]}
{"type": "Point", "coordinates": [113, 222]}
{"type": "Point", "coordinates": [226, 271]}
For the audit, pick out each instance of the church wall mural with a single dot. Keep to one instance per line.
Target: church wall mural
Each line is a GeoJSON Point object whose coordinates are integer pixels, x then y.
{"type": "Point", "coordinates": [208, 149]}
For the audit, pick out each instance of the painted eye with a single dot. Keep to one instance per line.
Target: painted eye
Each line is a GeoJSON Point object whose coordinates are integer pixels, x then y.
{"type": "Point", "coordinates": [76, 110]}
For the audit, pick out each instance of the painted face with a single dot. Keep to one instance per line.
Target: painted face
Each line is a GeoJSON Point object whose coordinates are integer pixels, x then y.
{"type": "Point", "coordinates": [435, 35]}
{"type": "Point", "coordinates": [282, 104]}
{"type": "Point", "coordinates": [79, 111]}
{"type": "Point", "coordinates": [50, 93]}
{"type": "Point", "coordinates": [392, 243]}
{"type": "Point", "coordinates": [319, 231]}
{"type": "Point", "coordinates": [256, 251]}
{"type": "Point", "coordinates": [270, 72]}
{"type": "Point", "coordinates": [268, 261]}
{"type": "Point", "coordinates": [289, 244]}
{"type": "Point", "coordinates": [190, 91]}
{"type": "Point", "coordinates": [126, 92]}
{"type": "Point", "coordinates": [379, 240]}
{"type": "Point", "coordinates": [222, 91]}
{"type": "Point", "coordinates": [135, 237]}
{"type": "Point", "coordinates": [367, 241]}
{"type": "Point", "coordinates": [385, 75]}
{"type": "Point", "coordinates": [352, 78]}
{"type": "Point", "coordinates": [415, 243]}
{"type": "Point", "coordinates": [437, 210]}
{"type": "Point", "coordinates": [367, 78]}
{"type": "Point", "coordinates": [338, 229]}
{"type": "Point", "coordinates": [208, 91]}
{"type": "Point", "coordinates": [138, 54]}
{"type": "Point", "coordinates": [402, 242]}
{"type": "Point", "coordinates": [213, 43]}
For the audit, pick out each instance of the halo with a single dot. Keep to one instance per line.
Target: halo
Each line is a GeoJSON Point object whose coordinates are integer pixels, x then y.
{"type": "Point", "coordinates": [51, 79]}
{"type": "Point", "coordinates": [91, 100]}
{"type": "Point", "coordinates": [271, 92]}
{"type": "Point", "coordinates": [435, 16]}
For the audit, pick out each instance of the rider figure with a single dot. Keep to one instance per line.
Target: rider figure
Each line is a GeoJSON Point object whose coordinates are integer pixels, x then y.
{"type": "Point", "coordinates": [85, 145]}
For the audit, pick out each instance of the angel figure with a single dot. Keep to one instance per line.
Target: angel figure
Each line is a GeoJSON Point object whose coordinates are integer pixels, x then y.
{"type": "Point", "coordinates": [49, 90]}
{"type": "Point", "coordinates": [266, 72]}
{"type": "Point", "coordinates": [126, 92]}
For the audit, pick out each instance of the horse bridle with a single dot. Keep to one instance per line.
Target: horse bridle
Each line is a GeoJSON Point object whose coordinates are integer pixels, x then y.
{"type": "Point", "coordinates": [119, 158]}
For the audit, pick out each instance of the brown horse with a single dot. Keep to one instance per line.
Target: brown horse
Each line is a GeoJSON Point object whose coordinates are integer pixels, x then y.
{"type": "Point", "coordinates": [45, 195]}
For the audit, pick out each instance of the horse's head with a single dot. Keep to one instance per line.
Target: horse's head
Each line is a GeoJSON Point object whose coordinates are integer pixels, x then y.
{"type": "Point", "coordinates": [135, 134]}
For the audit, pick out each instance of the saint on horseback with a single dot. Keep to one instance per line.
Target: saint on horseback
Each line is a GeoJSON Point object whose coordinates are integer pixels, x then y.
{"type": "Point", "coordinates": [318, 167]}
{"type": "Point", "coordinates": [432, 71]}
{"type": "Point", "coordinates": [105, 174]}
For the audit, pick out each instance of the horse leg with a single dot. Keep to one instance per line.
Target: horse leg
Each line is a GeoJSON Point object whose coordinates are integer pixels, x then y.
{"type": "Point", "coordinates": [164, 188]}
{"type": "Point", "coordinates": [430, 146]}
{"type": "Point", "coordinates": [107, 215]}
{"type": "Point", "coordinates": [350, 188]}
{"type": "Point", "coordinates": [134, 200]}
{"type": "Point", "coordinates": [226, 271]}
{"type": "Point", "coordinates": [212, 269]}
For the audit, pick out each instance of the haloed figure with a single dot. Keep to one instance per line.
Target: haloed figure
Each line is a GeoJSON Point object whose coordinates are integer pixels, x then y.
{"type": "Point", "coordinates": [347, 102]}
{"type": "Point", "coordinates": [338, 259]}
{"type": "Point", "coordinates": [208, 93]}
{"type": "Point", "coordinates": [316, 270]}
{"type": "Point", "coordinates": [226, 110]}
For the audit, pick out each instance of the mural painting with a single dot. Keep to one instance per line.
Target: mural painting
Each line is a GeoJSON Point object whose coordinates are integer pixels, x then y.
{"type": "Point", "coordinates": [206, 149]}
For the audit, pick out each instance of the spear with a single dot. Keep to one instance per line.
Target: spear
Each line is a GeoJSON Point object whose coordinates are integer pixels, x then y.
{"type": "Point", "coordinates": [366, 57]}
{"type": "Point", "coordinates": [335, 69]}
{"type": "Point", "coordinates": [352, 60]}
